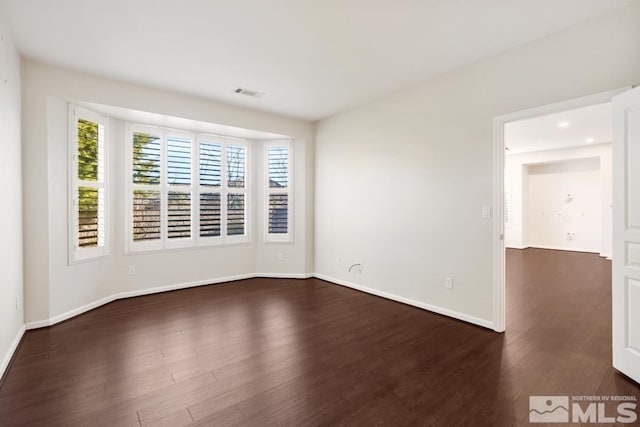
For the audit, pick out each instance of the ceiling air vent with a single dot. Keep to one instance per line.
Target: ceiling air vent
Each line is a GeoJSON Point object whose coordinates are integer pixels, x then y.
{"type": "Point", "coordinates": [249, 92]}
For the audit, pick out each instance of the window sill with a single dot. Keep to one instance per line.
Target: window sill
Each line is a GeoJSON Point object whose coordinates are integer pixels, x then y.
{"type": "Point", "coordinates": [73, 262]}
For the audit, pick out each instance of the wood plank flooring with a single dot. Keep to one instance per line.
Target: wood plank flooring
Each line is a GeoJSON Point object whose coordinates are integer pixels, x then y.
{"type": "Point", "coordinates": [266, 352]}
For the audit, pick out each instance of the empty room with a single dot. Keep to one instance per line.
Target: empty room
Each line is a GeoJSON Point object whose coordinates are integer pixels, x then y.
{"type": "Point", "coordinates": [287, 213]}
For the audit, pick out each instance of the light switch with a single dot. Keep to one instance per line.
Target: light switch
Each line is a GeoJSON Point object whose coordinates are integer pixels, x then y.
{"type": "Point", "coordinates": [486, 212]}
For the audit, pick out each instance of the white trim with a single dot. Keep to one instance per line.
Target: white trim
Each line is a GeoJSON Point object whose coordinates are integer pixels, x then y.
{"type": "Point", "coordinates": [140, 292]}
{"type": "Point", "coordinates": [12, 349]}
{"type": "Point", "coordinates": [71, 313]}
{"type": "Point", "coordinates": [75, 253]}
{"type": "Point", "coordinates": [285, 275]}
{"type": "Point", "coordinates": [168, 288]}
{"type": "Point", "coordinates": [516, 247]}
{"type": "Point", "coordinates": [433, 308]}
{"type": "Point", "coordinates": [499, 285]}
{"type": "Point", "coordinates": [245, 191]}
{"type": "Point", "coordinates": [288, 191]}
{"type": "Point", "coordinates": [499, 252]}
{"type": "Point", "coordinates": [132, 246]}
{"type": "Point", "coordinates": [195, 189]}
{"type": "Point", "coordinates": [191, 190]}
{"type": "Point", "coordinates": [560, 248]}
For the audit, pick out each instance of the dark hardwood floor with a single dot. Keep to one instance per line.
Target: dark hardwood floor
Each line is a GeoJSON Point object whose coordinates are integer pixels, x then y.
{"type": "Point", "coordinates": [305, 352]}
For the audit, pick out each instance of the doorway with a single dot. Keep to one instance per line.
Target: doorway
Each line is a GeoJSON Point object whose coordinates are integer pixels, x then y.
{"type": "Point", "coordinates": [558, 181]}
{"type": "Point", "coordinates": [541, 151]}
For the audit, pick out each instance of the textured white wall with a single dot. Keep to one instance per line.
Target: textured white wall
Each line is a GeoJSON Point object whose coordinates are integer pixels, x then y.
{"type": "Point", "coordinates": [11, 275]}
{"type": "Point", "coordinates": [400, 182]}
{"type": "Point", "coordinates": [61, 287]}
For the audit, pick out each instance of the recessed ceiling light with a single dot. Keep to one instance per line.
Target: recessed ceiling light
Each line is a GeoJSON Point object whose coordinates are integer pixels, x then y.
{"type": "Point", "coordinates": [563, 124]}
{"type": "Point", "coordinates": [589, 140]}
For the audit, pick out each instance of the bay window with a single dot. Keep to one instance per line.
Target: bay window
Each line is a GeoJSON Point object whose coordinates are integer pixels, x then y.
{"type": "Point", "coordinates": [185, 189]}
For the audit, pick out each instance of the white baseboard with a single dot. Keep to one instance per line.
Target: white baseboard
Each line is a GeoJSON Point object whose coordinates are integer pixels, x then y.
{"type": "Point", "coordinates": [560, 248]}
{"type": "Point", "coordinates": [285, 276]}
{"type": "Point", "coordinates": [515, 247]}
{"type": "Point", "coordinates": [440, 310]}
{"type": "Point", "coordinates": [148, 291]}
{"type": "Point", "coordinates": [77, 311]}
{"type": "Point", "coordinates": [140, 292]}
{"type": "Point", "coordinates": [12, 349]}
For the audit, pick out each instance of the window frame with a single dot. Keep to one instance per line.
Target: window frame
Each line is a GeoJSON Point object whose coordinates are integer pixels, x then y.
{"type": "Point", "coordinates": [195, 188]}
{"type": "Point", "coordinates": [289, 190]}
{"type": "Point", "coordinates": [76, 253]}
{"type": "Point", "coordinates": [151, 245]}
{"type": "Point", "coordinates": [244, 238]}
{"type": "Point", "coordinates": [184, 242]}
{"type": "Point", "coordinates": [214, 139]}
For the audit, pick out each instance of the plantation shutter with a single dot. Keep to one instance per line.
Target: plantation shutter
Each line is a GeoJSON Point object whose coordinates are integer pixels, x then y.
{"type": "Point", "coordinates": [147, 150]}
{"type": "Point", "coordinates": [146, 195]}
{"type": "Point", "coordinates": [186, 190]}
{"type": "Point", "coordinates": [179, 159]}
{"type": "Point", "coordinates": [210, 176]}
{"type": "Point", "coordinates": [278, 195]}
{"type": "Point", "coordinates": [88, 185]}
{"type": "Point", "coordinates": [236, 161]}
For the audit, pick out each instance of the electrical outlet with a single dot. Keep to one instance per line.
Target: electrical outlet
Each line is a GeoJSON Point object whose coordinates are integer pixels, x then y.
{"type": "Point", "coordinates": [280, 256]}
{"type": "Point", "coordinates": [132, 270]}
{"type": "Point", "coordinates": [448, 283]}
{"type": "Point", "coordinates": [17, 302]}
{"type": "Point", "coordinates": [338, 260]}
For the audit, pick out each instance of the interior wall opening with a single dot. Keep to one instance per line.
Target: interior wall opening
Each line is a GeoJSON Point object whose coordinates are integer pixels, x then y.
{"type": "Point", "coordinates": [557, 216]}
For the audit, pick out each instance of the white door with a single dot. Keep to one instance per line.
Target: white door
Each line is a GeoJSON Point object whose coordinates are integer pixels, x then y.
{"type": "Point", "coordinates": [626, 233]}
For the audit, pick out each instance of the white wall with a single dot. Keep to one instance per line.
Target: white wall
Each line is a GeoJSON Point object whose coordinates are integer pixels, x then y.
{"type": "Point", "coordinates": [400, 182]}
{"type": "Point", "coordinates": [11, 276]}
{"type": "Point", "coordinates": [565, 205]}
{"type": "Point", "coordinates": [53, 286]}
{"type": "Point", "coordinates": [525, 228]}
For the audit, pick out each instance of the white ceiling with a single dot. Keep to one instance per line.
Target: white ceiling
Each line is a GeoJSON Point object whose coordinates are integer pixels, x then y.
{"type": "Point", "coordinates": [584, 126]}
{"type": "Point", "coordinates": [178, 122]}
{"type": "Point", "coordinates": [312, 58]}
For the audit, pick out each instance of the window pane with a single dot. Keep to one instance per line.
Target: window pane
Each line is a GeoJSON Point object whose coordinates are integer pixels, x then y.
{"type": "Point", "coordinates": [90, 217]}
{"type": "Point", "coordinates": [90, 151]}
{"type": "Point", "coordinates": [179, 215]}
{"type": "Point", "coordinates": [146, 158]}
{"type": "Point", "coordinates": [178, 161]}
{"type": "Point", "coordinates": [278, 158]}
{"type": "Point", "coordinates": [146, 215]}
{"type": "Point", "coordinates": [235, 214]}
{"type": "Point", "coordinates": [209, 214]}
{"type": "Point", "coordinates": [236, 157]}
{"type": "Point", "coordinates": [210, 164]}
{"type": "Point", "coordinates": [278, 213]}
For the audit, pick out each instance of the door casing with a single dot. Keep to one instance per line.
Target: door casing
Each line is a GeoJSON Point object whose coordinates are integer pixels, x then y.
{"type": "Point", "coordinates": [499, 282]}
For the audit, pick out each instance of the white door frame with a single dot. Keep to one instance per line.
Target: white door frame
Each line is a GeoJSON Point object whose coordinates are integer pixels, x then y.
{"type": "Point", "coordinates": [499, 282]}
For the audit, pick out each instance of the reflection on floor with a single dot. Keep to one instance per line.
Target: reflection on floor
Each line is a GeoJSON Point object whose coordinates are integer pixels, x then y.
{"type": "Point", "coordinates": [306, 352]}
